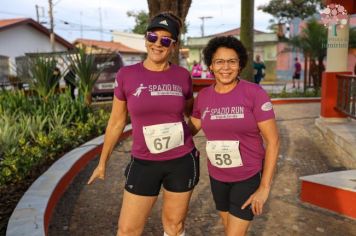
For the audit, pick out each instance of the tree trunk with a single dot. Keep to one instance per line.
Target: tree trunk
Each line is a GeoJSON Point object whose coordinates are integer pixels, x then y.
{"type": "Point", "coordinates": [246, 36]}
{"type": "Point", "coordinates": [88, 99]}
{"type": "Point", "coordinates": [179, 8]}
{"type": "Point", "coordinates": [321, 69]}
{"type": "Point", "coordinates": [306, 58]}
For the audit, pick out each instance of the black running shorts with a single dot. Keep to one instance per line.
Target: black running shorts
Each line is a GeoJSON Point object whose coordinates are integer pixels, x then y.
{"type": "Point", "coordinates": [296, 76]}
{"type": "Point", "coordinates": [178, 175]}
{"type": "Point", "coordinates": [229, 197]}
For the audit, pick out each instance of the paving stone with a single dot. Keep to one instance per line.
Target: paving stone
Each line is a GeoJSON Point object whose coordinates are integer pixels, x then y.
{"type": "Point", "coordinates": [94, 210]}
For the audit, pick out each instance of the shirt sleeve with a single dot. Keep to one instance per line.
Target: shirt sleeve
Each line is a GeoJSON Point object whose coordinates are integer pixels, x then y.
{"type": "Point", "coordinates": [196, 110]}
{"type": "Point", "coordinates": [119, 86]}
{"type": "Point", "coordinates": [262, 107]}
{"type": "Point", "coordinates": [189, 91]}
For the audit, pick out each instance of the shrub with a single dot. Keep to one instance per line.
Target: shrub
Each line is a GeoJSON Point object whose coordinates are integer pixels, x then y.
{"type": "Point", "coordinates": [33, 132]}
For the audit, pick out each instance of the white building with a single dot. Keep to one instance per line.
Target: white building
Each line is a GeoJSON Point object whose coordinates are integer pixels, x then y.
{"type": "Point", "coordinates": [136, 41]}
{"type": "Point", "coordinates": [24, 35]}
{"type": "Point", "coordinates": [128, 54]}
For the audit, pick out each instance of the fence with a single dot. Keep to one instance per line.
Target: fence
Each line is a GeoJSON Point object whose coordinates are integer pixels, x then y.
{"type": "Point", "coordinates": [346, 95]}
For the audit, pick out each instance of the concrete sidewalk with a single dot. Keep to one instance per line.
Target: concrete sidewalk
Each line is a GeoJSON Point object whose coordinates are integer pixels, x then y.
{"type": "Point", "coordinates": [94, 210]}
{"type": "Point", "coordinates": [279, 86]}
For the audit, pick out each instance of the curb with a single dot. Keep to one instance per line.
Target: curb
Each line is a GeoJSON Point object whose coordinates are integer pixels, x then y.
{"type": "Point", "coordinates": [278, 101]}
{"type": "Point", "coordinates": [34, 210]}
{"type": "Point", "coordinates": [335, 191]}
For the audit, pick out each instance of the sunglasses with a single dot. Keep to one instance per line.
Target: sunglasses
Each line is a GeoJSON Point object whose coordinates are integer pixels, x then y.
{"type": "Point", "coordinates": [165, 41]}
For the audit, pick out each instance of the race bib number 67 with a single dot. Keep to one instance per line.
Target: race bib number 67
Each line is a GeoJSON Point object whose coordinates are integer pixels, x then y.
{"type": "Point", "coordinates": [224, 153]}
{"type": "Point", "coordinates": [163, 137]}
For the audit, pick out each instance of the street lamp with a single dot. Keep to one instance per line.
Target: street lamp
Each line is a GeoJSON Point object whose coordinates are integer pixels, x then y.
{"type": "Point", "coordinates": [202, 24]}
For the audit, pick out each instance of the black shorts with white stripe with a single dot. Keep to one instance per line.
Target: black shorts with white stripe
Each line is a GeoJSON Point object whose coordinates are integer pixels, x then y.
{"type": "Point", "coordinates": [145, 177]}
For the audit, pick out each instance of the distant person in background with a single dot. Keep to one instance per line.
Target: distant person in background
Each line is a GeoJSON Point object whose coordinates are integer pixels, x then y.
{"type": "Point", "coordinates": [259, 68]}
{"type": "Point", "coordinates": [196, 70]}
{"type": "Point", "coordinates": [56, 77]}
{"type": "Point", "coordinates": [69, 79]}
{"type": "Point", "coordinates": [297, 71]}
{"type": "Point", "coordinates": [314, 73]}
{"type": "Point", "coordinates": [209, 75]}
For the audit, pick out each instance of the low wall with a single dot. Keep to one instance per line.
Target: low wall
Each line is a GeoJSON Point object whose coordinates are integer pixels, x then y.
{"type": "Point", "coordinates": [34, 210]}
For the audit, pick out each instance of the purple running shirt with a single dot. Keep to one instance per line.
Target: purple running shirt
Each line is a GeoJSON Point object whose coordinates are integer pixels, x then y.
{"type": "Point", "coordinates": [234, 116]}
{"type": "Point", "coordinates": [155, 98]}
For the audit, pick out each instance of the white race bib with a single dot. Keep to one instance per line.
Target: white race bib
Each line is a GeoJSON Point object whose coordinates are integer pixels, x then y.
{"type": "Point", "coordinates": [163, 137]}
{"type": "Point", "coordinates": [224, 153]}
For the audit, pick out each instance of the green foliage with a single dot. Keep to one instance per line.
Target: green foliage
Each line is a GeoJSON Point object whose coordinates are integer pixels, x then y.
{"type": "Point", "coordinates": [296, 93]}
{"type": "Point", "coordinates": [312, 40]}
{"type": "Point", "coordinates": [141, 21]}
{"type": "Point", "coordinates": [82, 64]}
{"type": "Point", "coordinates": [352, 38]}
{"type": "Point", "coordinates": [32, 132]}
{"type": "Point", "coordinates": [285, 10]}
{"type": "Point", "coordinates": [43, 80]}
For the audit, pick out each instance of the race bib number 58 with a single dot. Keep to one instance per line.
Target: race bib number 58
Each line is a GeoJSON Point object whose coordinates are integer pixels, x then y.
{"type": "Point", "coordinates": [224, 153]}
{"type": "Point", "coordinates": [163, 137]}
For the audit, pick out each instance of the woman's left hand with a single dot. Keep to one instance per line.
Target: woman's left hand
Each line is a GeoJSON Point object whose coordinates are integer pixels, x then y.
{"type": "Point", "coordinates": [257, 200]}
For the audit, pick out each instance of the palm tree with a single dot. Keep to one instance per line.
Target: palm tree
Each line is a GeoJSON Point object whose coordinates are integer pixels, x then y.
{"type": "Point", "coordinates": [312, 42]}
{"type": "Point", "coordinates": [44, 76]}
{"type": "Point", "coordinates": [82, 63]}
{"type": "Point", "coordinates": [246, 35]}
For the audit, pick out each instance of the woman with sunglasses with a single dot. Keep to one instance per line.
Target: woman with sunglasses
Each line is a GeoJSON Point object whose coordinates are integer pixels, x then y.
{"type": "Point", "coordinates": [236, 117]}
{"type": "Point", "coordinates": [157, 94]}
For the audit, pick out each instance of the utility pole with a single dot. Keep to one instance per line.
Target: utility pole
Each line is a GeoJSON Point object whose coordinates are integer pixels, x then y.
{"type": "Point", "coordinates": [101, 24]}
{"type": "Point", "coordinates": [51, 30]}
{"type": "Point", "coordinates": [81, 25]}
{"type": "Point", "coordinates": [37, 14]}
{"type": "Point", "coordinates": [202, 24]}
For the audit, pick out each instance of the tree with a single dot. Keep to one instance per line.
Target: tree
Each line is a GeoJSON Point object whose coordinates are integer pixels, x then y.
{"type": "Point", "coordinates": [311, 41]}
{"type": "Point", "coordinates": [141, 21]}
{"type": "Point", "coordinates": [285, 10]}
{"type": "Point", "coordinates": [43, 78]}
{"type": "Point", "coordinates": [82, 64]}
{"type": "Point", "coordinates": [352, 38]}
{"type": "Point", "coordinates": [178, 7]}
{"type": "Point", "coordinates": [246, 35]}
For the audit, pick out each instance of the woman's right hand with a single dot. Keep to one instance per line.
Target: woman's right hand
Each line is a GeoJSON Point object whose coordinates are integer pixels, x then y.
{"type": "Point", "coordinates": [99, 173]}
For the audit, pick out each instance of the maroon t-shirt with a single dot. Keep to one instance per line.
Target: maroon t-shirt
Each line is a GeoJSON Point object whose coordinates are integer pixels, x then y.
{"type": "Point", "coordinates": [234, 116]}
{"type": "Point", "coordinates": [155, 98]}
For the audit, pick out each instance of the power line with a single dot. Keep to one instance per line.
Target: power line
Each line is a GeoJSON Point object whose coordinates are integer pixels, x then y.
{"type": "Point", "coordinates": [57, 2]}
{"type": "Point", "coordinates": [202, 24]}
{"type": "Point", "coordinates": [14, 13]}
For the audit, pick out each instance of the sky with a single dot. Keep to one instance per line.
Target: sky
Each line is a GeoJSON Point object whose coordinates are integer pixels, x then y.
{"type": "Point", "coordinates": [81, 18]}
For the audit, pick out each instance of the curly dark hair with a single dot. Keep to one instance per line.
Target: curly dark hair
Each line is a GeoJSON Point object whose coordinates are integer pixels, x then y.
{"type": "Point", "coordinates": [227, 42]}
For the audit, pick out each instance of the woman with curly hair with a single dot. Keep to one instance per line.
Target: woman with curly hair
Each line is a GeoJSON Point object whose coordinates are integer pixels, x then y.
{"type": "Point", "coordinates": [238, 120]}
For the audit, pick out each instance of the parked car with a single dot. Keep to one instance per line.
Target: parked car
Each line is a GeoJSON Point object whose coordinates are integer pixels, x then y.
{"type": "Point", "coordinates": [105, 85]}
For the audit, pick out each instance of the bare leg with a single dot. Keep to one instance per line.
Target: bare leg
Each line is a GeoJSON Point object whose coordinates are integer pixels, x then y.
{"type": "Point", "coordinates": [134, 213]}
{"type": "Point", "coordinates": [224, 215]}
{"type": "Point", "coordinates": [236, 226]}
{"type": "Point", "coordinates": [175, 208]}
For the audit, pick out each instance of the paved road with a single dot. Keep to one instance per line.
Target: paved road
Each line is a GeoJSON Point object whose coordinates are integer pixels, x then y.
{"type": "Point", "coordinates": [94, 210]}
